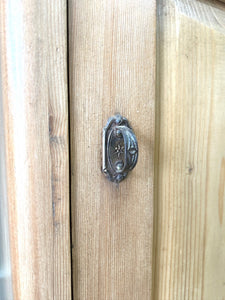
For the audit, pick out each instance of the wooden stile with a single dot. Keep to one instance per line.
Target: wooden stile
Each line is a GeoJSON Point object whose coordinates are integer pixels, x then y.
{"type": "Point", "coordinates": [35, 104]}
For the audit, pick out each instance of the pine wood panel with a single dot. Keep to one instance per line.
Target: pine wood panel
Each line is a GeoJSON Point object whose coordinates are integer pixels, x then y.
{"type": "Point", "coordinates": [33, 57]}
{"type": "Point", "coordinates": [190, 151]}
{"type": "Point", "coordinates": [112, 69]}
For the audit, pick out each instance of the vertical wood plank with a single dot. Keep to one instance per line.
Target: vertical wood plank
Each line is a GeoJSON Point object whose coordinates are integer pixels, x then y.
{"type": "Point", "coordinates": [112, 69]}
{"type": "Point", "coordinates": [33, 56]}
{"type": "Point", "coordinates": [189, 222]}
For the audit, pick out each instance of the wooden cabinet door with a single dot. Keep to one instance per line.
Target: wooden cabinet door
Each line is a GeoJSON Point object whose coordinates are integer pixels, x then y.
{"type": "Point", "coordinates": [112, 70]}
{"type": "Point", "coordinates": [66, 67]}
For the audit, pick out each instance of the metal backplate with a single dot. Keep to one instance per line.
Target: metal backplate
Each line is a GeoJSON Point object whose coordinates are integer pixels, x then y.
{"type": "Point", "coordinates": [120, 149]}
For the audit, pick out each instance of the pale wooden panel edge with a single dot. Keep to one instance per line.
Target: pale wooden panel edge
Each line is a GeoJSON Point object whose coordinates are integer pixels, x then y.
{"type": "Point", "coordinates": [5, 263]}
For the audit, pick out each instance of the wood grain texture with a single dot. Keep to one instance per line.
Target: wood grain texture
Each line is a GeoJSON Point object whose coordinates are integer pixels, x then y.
{"type": "Point", "coordinates": [35, 103]}
{"type": "Point", "coordinates": [112, 69]}
{"type": "Point", "coordinates": [190, 151]}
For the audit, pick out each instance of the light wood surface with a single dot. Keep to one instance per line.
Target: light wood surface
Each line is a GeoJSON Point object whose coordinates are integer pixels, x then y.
{"type": "Point", "coordinates": [35, 103]}
{"type": "Point", "coordinates": [190, 151]}
{"type": "Point", "coordinates": [112, 69]}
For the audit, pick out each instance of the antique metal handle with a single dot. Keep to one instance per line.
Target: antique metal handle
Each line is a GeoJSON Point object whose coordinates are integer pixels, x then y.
{"type": "Point", "coordinates": [120, 149]}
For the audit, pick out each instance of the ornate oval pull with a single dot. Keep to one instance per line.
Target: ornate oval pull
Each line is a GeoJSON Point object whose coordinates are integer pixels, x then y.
{"type": "Point", "coordinates": [120, 149]}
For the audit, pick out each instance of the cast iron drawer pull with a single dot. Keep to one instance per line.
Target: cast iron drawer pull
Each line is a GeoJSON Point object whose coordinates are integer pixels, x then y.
{"type": "Point", "coordinates": [120, 149]}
